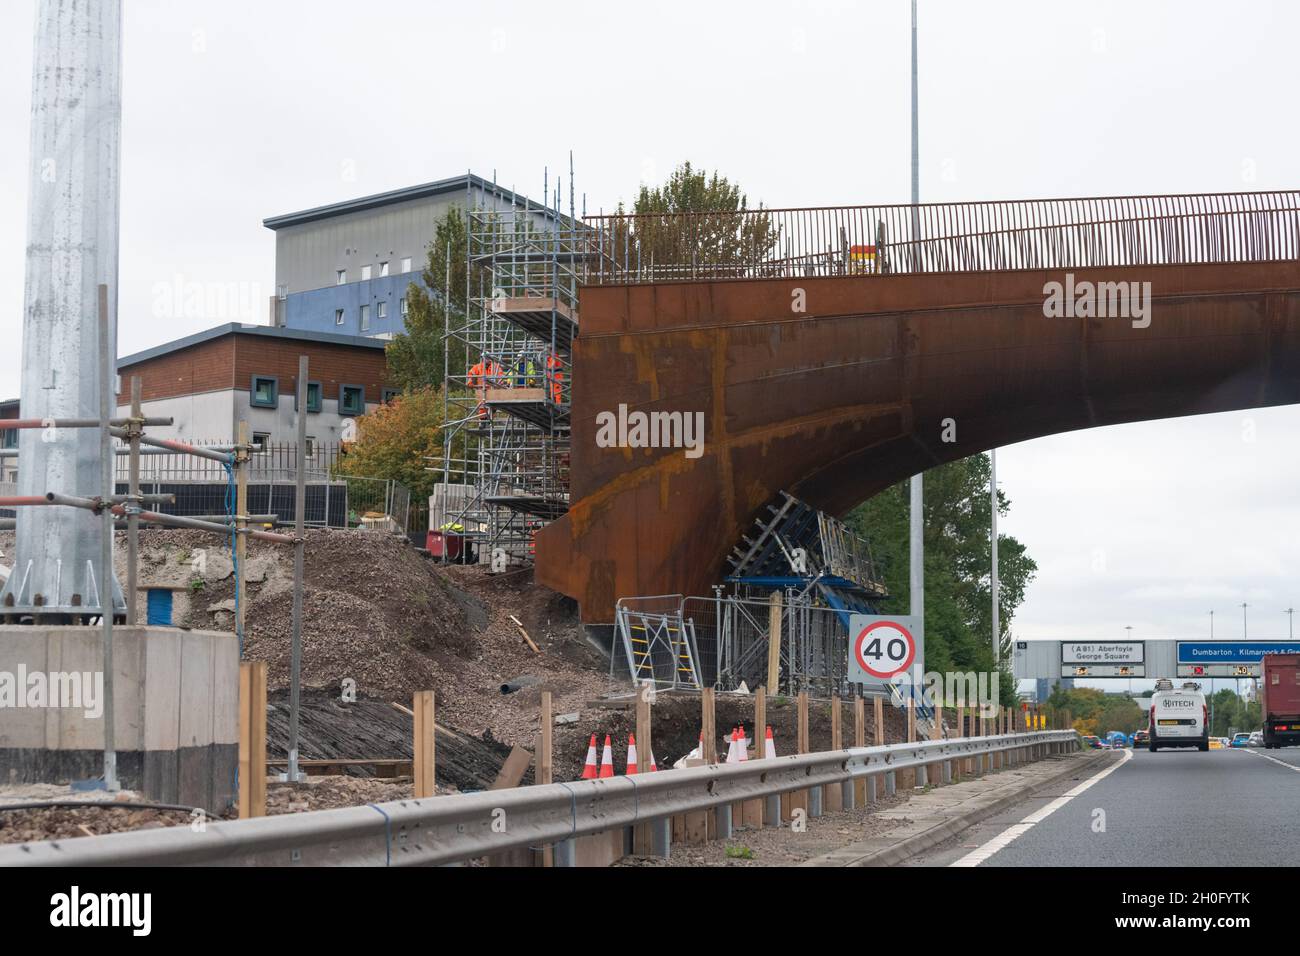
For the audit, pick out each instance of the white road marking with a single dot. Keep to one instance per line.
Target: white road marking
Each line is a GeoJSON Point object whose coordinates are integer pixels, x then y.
{"type": "Point", "coordinates": [1003, 839]}
{"type": "Point", "coordinates": [1280, 763]}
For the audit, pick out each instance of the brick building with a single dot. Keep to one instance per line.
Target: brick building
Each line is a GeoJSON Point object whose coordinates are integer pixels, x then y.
{"type": "Point", "coordinates": [208, 381]}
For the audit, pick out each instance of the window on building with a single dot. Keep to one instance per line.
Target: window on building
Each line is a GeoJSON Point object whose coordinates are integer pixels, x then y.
{"type": "Point", "coordinates": [352, 399]}
{"type": "Point", "coordinates": [381, 309]}
{"type": "Point", "coordinates": [310, 450]}
{"type": "Point", "coordinates": [383, 269]}
{"type": "Point", "coordinates": [365, 273]}
{"type": "Point", "coordinates": [282, 291]}
{"type": "Point", "coordinates": [314, 394]}
{"type": "Point", "coordinates": [261, 440]}
{"type": "Point", "coordinates": [264, 391]}
{"type": "Point", "coordinates": [401, 306]}
{"type": "Point", "coordinates": [390, 394]}
{"type": "Point", "coordinates": [338, 316]}
{"type": "Point", "coordinates": [341, 277]}
{"type": "Point", "coordinates": [365, 318]}
{"type": "Point", "coordinates": [406, 263]}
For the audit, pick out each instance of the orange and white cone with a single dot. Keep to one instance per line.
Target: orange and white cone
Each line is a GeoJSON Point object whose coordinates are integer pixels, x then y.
{"type": "Point", "coordinates": [769, 746]}
{"type": "Point", "coordinates": [731, 749]}
{"type": "Point", "coordinates": [653, 766]}
{"type": "Point", "coordinates": [742, 745]}
{"type": "Point", "coordinates": [631, 754]}
{"type": "Point", "coordinates": [607, 759]}
{"type": "Point", "coordinates": [589, 767]}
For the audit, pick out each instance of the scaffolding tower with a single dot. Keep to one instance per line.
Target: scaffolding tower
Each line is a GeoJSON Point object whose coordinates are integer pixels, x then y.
{"type": "Point", "coordinates": [506, 434]}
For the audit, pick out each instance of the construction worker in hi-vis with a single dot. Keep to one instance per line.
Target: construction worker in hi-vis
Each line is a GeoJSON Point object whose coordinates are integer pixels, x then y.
{"type": "Point", "coordinates": [555, 376]}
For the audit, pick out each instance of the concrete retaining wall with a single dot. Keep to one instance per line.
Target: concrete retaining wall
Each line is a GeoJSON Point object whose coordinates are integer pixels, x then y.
{"type": "Point", "coordinates": [175, 710]}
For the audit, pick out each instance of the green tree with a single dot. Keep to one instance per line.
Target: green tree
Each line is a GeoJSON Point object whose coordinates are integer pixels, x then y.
{"type": "Point", "coordinates": [694, 221]}
{"type": "Point", "coordinates": [395, 440]}
{"type": "Point", "coordinates": [415, 355]}
{"type": "Point", "coordinates": [958, 559]}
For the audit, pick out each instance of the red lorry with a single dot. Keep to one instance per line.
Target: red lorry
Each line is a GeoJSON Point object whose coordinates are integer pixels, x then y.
{"type": "Point", "coordinates": [1279, 699]}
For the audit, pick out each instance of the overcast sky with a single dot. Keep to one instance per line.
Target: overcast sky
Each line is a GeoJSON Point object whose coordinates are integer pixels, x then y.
{"type": "Point", "coordinates": [242, 109]}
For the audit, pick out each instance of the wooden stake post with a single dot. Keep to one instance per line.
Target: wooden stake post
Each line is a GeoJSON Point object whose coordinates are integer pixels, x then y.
{"type": "Point", "coordinates": [642, 834]}
{"type": "Point", "coordinates": [832, 795]}
{"type": "Point", "coordinates": [698, 826]}
{"type": "Point", "coordinates": [798, 799]}
{"type": "Point", "coordinates": [241, 522]}
{"type": "Point", "coordinates": [546, 758]}
{"type": "Point", "coordinates": [252, 739]}
{"type": "Point", "coordinates": [425, 748]}
{"type": "Point", "coordinates": [774, 642]}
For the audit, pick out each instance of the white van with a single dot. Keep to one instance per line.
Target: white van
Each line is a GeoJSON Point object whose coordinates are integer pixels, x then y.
{"type": "Point", "coordinates": [1179, 717]}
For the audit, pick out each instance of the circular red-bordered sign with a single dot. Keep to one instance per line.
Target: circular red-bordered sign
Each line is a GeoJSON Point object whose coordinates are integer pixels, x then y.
{"type": "Point", "coordinates": [892, 649]}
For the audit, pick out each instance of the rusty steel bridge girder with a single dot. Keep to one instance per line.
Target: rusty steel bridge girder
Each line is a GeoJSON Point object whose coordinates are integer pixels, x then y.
{"type": "Point", "coordinates": [837, 403]}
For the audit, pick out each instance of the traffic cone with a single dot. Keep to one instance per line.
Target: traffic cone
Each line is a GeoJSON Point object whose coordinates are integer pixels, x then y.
{"type": "Point", "coordinates": [631, 754]}
{"type": "Point", "coordinates": [589, 768]}
{"type": "Point", "coordinates": [731, 749]}
{"type": "Point", "coordinates": [769, 745]}
{"type": "Point", "coordinates": [653, 766]}
{"type": "Point", "coordinates": [607, 759]}
{"type": "Point", "coordinates": [742, 745]}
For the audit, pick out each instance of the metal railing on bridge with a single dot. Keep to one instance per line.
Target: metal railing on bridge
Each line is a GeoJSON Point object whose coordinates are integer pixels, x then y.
{"type": "Point", "coordinates": [944, 237]}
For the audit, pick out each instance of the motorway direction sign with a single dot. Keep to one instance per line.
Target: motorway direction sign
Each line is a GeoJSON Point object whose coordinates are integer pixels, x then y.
{"type": "Point", "coordinates": [1103, 659]}
{"type": "Point", "coordinates": [1103, 652]}
{"type": "Point", "coordinates": [1227, 658]}
{"type": "Point", "coordinates": [883, 646]}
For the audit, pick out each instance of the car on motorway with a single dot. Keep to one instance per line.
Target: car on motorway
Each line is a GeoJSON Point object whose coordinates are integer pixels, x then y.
{"type": "Point", "coordinates": [1141, 738]}
{"type": "Point", "coordinates": [1216, 743]}
{"type": "Point", "coordinates": [1256, 739]}
{"type": "Point", "coordinates": [1179, 717]}
{"type": "Point", "coordinates": [1240, 740]}
{"type": "Point", "coordinates": [1094, 742]}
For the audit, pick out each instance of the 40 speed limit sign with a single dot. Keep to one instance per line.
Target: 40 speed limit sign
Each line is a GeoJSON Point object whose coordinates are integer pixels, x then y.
{"type": "Point", "coordinates": [882, 646]}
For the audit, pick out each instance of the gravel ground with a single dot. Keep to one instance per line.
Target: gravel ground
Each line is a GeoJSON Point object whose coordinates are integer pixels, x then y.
{"type": "Point", "coordinates": [105, 813]}
{"type": "Point", "coordinates": [773, 846]}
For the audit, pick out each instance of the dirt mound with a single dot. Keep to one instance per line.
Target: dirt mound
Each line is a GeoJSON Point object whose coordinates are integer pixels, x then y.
{"type": "Point", "coordinates": [380, 613]}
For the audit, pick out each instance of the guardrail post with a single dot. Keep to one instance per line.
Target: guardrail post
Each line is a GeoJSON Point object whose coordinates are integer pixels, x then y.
{"type": "Point", "coordinates": [252, 739]}
{"type": "Point", "coordinates": [751, 811]}
{"type": "Point", "coordinates": [859, 740]}
{"type": "Point", "coordinates": [424, 762]}
{"type": "Point", "coordinates": [959, 769]}
{"type": "Point", "coordinates": [722, 814]}
{"type": "Point", "coordinates": [920, 775]}
{"type": "Point", "coordinates": [566, 853]}
{"type": "Point", "coordinates": [798, 799]}
{"type": "Point", "coordinates": [878, 713]}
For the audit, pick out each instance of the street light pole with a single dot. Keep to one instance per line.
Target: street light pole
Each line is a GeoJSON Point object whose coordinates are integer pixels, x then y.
{"type": "Point", "coordinates": [1243, 620]}
{"type": "Point", "coordinates": [1290, 633]}
{"type": "Point", "coordinates": [1211, 625]}
{"type": "Point", "coordinates": [916, 548]}
{"type": "Point", "coordinates": [993, 532]}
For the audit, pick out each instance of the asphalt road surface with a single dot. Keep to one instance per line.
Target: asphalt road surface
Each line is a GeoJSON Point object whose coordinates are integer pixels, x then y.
{"type": "Point", "coordinates": [1172, 808]}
